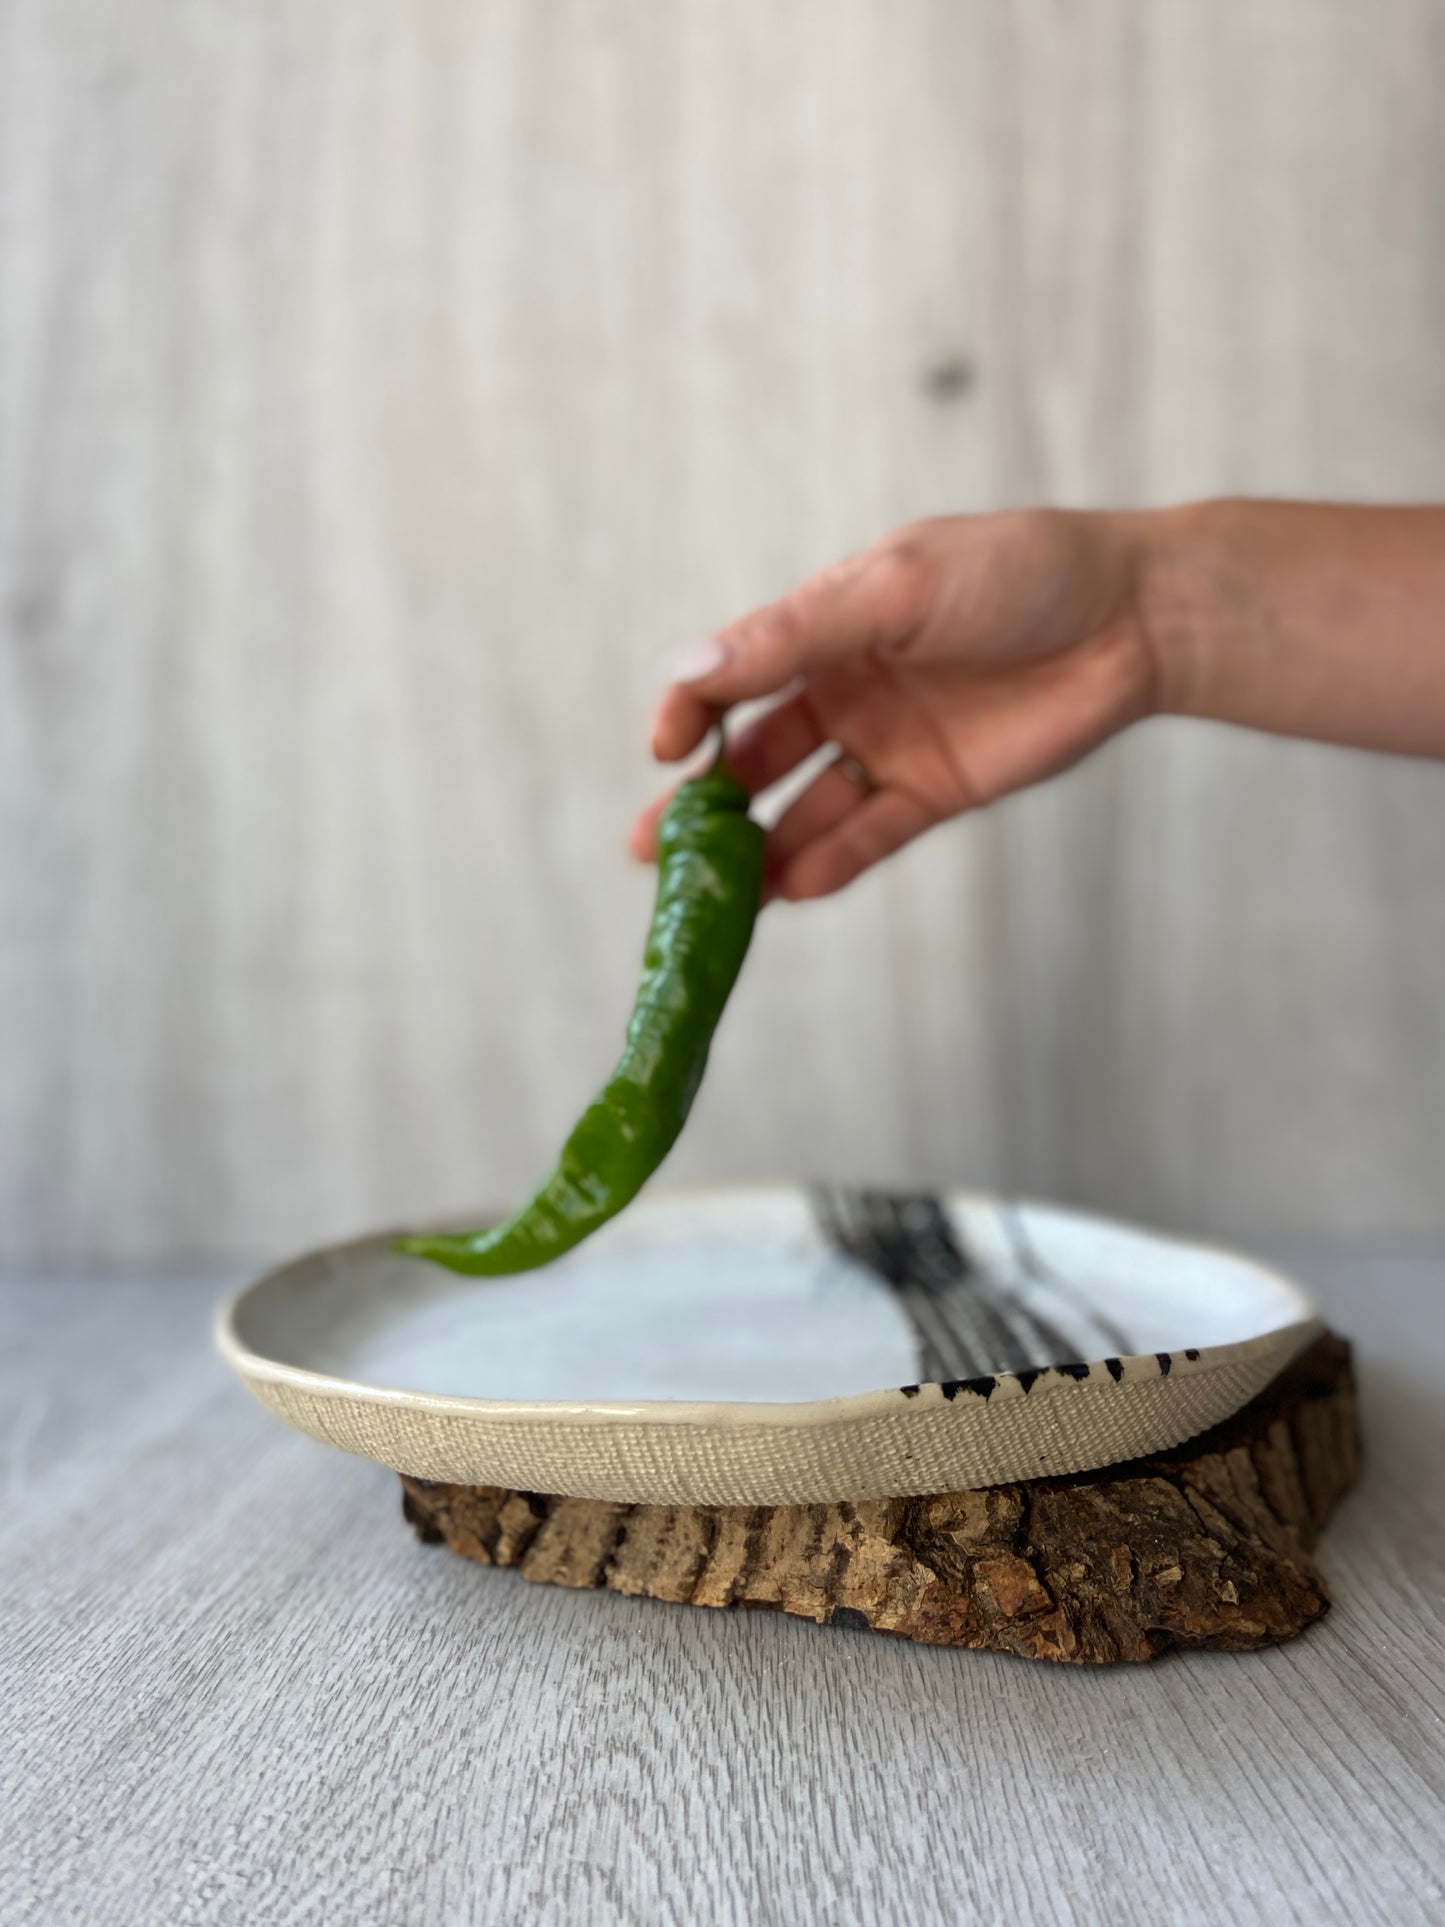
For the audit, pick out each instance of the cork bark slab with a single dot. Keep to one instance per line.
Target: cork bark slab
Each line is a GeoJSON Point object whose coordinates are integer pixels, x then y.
{"type": "Point", "coordinates": [1207, 1545]}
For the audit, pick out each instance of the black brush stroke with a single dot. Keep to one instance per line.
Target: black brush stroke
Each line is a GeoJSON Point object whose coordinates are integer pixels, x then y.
{"type": "Point", "coordinates": [908, 1240]}
{"type": "Point", "coordinates": [1031, 1263]}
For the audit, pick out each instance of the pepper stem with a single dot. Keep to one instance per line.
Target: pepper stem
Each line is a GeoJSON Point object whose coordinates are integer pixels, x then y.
{"type": "Point", "coordinates": [719, 762]}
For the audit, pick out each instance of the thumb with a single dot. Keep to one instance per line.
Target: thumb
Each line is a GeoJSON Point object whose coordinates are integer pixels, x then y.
{"type": "Point", "coordinates": [871, 601]}
{"type": "Point", "coordinates": [874, 601]}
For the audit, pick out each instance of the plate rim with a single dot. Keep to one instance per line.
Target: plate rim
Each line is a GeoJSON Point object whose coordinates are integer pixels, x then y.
{"type": "Point", "coordinates": [731, 1414]}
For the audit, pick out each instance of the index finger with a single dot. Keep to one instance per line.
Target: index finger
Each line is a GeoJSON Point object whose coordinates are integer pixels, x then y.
{"type": "Point", "coordinates": [876, 600]}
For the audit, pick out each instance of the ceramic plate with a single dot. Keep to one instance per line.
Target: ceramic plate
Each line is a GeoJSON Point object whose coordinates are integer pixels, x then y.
{"type": "Point", "coordinates": [767, 1347]}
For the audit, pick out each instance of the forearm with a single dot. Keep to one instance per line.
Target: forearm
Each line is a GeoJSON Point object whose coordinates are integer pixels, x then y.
{"type": "Point", "coordinates": [1300, 618]}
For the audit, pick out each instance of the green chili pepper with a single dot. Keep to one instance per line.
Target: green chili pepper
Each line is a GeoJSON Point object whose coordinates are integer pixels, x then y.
{"type": "Point", "coordinates": [710, 871]}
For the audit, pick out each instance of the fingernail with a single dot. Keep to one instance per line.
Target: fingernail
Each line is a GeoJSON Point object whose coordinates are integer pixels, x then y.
{"type": "Point", "coordinates": [704, 659]}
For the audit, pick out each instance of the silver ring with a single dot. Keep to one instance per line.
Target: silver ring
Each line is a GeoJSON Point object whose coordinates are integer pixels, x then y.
{"type": "Point", "coordinates": [850, 767]}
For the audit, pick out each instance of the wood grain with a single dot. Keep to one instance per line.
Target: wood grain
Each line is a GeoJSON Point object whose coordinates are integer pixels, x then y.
{"type": "Point", "coordinates": [235, 1693]}
{"type": "Point", "coordinates": [1203, 1547]}
{"type": "Point", "coordinates": [385, 392]}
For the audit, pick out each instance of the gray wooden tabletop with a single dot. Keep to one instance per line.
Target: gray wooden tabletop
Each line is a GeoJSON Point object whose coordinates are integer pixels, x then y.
{"type": "Point", "coordinates": [237, 1690]}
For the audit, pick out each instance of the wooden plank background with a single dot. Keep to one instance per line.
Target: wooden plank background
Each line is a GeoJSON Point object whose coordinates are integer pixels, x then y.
{"type": "Point", "coordinates": [387, 390]}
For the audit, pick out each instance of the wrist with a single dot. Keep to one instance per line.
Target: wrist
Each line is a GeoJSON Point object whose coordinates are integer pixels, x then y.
{"type": "Point", "coordinates": [1180, 591]}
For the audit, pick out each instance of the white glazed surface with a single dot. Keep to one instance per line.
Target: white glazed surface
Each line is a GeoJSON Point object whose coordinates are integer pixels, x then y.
{"type": "Point", "coordinates": [711, 1347]}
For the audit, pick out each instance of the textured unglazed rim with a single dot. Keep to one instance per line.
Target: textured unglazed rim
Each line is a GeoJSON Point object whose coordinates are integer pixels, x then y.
{"type": "Point", "coordinates": [886, 1444]}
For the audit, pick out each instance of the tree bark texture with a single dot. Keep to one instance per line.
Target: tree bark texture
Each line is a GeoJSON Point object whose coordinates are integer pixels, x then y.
{"type": "Point", "coordinates": [1207, 1545]}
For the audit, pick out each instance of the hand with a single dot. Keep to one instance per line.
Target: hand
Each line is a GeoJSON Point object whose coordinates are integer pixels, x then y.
{"type": "Point", "coordinates": [957, 660]}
